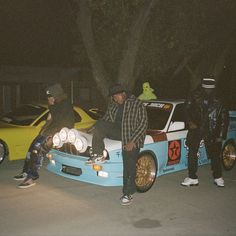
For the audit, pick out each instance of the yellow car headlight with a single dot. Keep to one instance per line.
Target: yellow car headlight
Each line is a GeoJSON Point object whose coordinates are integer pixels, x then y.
{"type": "Point", "coordinates": [97, 167]}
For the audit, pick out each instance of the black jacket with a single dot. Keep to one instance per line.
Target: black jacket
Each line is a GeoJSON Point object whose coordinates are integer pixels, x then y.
{"type": "Point", "coordinates": [62, 115]}
{"type": "Point", "coordinates": [208, 114]}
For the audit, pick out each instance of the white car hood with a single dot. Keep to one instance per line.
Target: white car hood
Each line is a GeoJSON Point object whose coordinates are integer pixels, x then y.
{"type": "Point", "coordinates": [111, 144]}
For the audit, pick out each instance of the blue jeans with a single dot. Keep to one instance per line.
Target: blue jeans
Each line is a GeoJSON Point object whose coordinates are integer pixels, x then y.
{"type": "Point", "coordinates": [34, 158]}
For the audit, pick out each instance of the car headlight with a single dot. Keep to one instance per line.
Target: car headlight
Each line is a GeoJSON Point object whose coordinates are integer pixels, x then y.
{"type": "Point", "coordinates": [72, 135]}
{"type": "Point", "coordinates": [63, 134]}
{"type": "Point", "coordinates": [57, 141]}
{"type": "Point", "coordinates": [81, 144]}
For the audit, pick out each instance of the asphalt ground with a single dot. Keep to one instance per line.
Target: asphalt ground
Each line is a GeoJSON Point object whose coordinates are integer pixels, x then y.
{"type": "Point", "coordinates": [57, 206]}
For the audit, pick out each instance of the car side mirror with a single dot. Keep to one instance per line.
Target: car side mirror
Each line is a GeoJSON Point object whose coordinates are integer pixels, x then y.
{"type": "Point", "coordinates": [176, 125]}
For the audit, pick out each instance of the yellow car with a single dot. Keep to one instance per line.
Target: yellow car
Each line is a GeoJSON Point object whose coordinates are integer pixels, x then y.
{"type": "Point", "coordinates": [19, 127]}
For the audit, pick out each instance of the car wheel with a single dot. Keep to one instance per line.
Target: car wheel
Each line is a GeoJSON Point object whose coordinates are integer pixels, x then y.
{"type": "Point", "coordinates": [228, 155]}
{"type": "Point", "coordinates": [3, 151]}
{"type": "Point", "coordinates": [146, 170]}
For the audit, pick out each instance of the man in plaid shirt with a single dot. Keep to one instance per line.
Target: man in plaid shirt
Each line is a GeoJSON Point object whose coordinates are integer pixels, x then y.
{"type": "Point", "coordinates": [125, 120]}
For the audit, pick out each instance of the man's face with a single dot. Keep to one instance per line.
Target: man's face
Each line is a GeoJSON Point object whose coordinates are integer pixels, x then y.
{"type": "Point", "coordinates": [119, 98]}
{"type": "Point", "coordinates": [51, 100]}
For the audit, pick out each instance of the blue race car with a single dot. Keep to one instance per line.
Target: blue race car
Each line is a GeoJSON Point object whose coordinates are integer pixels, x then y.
{"type": "Point", "coordinates": [164, 150]}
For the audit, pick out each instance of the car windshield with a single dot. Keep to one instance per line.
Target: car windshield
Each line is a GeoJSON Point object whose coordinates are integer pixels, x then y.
{"type": "Point", "coordinates": [158, 114]}
{"type": "Point", "coordinates": [23, 115]}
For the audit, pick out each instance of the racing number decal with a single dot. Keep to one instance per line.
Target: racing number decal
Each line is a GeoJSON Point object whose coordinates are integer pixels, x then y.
{"type": "Point", "coordinates": [174, 152]}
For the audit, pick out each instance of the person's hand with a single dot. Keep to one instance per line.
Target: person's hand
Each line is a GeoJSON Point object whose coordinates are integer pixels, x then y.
{"type": "Point", "coordinates": [219, 139]}
{"type": "Point", "coordinates": [129, 146]}
{"type": "Point", "coordinates": [192, 125]}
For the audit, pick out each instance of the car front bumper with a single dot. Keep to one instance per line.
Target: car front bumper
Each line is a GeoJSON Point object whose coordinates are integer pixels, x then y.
{"type": "Point", "coordinates": [74, 167]}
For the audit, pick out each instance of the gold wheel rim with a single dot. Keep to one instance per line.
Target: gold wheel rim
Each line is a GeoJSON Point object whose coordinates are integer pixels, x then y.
{"type": "Point", "coordinates": [228, 155]}
{"type": "Point", "coordinates": [145, 171]}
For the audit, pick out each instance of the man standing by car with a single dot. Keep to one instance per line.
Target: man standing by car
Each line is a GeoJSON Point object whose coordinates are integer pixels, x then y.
{"type": "Point", "coordinates": [125, 120]}
{"type": "Point", "coordinates": [60, 115]}
{"type": "Point", "coordinates": [207, 119]}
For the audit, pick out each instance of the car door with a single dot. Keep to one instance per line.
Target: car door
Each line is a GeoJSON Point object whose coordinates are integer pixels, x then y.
{"type": "Point", "coordinates": [176, 137]}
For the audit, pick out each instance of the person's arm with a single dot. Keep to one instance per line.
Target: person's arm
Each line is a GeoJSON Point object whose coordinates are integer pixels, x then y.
{"type": "Point", "coordinates": [110, 112]}
{"type": "Point", "coordinates": [48, 122]}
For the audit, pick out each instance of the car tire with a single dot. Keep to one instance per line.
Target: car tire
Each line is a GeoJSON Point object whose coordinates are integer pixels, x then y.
{"type": "Point", "coordinates": [228, 155]}
{"type": "Point", "coordinates": [3, 151]}
{"type": "Point", "coordinates": [146, 171]}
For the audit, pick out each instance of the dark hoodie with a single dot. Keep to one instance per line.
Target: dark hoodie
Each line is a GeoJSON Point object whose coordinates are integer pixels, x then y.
{"type": "Point", "coordinates": [62, 114]}
{"type": "Point", "coordinates": [208, 113]}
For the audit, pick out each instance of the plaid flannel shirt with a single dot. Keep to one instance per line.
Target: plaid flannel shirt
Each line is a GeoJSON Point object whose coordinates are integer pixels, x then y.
{"type": "Point", "coordinates": [134, 120]}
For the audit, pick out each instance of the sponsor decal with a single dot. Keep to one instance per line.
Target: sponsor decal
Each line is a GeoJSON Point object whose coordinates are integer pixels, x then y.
{"type": "Point", "coordinates": [174, 152]}
{"type": "Point", "coordinates": [118, 154]}
{"type": "Point", "coordinates": [159, 105]}
{"type": "Point", "coordinates": [165, 106]}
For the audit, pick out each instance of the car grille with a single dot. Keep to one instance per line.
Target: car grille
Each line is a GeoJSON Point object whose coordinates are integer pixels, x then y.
{"type": "Point", "coordinates": [70, 149]}
{"type": "Point", "coordinates": [71, 170]}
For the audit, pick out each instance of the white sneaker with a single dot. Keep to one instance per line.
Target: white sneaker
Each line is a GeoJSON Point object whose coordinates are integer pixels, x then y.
{"type": "Point", "coordinates": [27, 183]}
{"type": "Point", "coordinates": [190, 182]}
{"type": "Point", "coordinates": [20, 176]}
{"type": "Point", "coordinates": [126, 200]}
{"type": "Point", "coordinates": [219, 182]}
{"type": "Point", "coordinates": [100, 159]}
{"type": "Point", "coordinates": [90, 161]}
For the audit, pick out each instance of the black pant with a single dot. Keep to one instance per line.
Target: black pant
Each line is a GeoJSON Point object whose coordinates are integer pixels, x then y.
{"type": "Point", "coordinates": [104, 129]}
{"type": "Point", "coordinates": [213, 150]}
{"type": "Point", "coordinates": [129, 170]}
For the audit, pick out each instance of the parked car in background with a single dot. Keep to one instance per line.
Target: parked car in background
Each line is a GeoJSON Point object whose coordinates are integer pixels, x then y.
{"type": "Point", "coordinates": [164, 151]}
{"type": "Point", "coordinates": [19, 127]}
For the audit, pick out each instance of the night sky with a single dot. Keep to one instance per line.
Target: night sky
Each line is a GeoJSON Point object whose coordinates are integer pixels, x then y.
{"type": "Point", "coordinates": [36, 33]}
{"type": "Point", "coordinates": [42, 33]}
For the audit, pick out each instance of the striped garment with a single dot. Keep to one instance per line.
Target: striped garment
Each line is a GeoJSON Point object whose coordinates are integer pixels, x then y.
{"type": "Point", "coordinates": [134, 120]}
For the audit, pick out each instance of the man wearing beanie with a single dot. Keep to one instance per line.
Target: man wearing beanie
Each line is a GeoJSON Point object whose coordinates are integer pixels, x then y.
{"type": "Point", "coordinates": [61, 115]}
{"type": "Point", "coordinates": [207, 120]}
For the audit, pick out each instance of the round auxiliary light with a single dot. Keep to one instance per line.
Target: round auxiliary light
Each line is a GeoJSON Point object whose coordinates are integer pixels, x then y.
{"type": "Point", "coordinates": [63, 134]}
{"type": "Point", "coordinates": [81, 144]}
{"type": "Point", "coordinates": [72, 135]}
{"type": "Point", "coordinates": [57, 141]}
